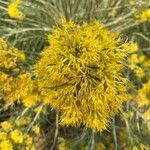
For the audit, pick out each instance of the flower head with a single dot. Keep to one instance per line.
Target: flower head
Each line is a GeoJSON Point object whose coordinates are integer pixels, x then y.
{"type": "Point", "coordinates": [36, 129]}
{"type": "Point", "coordinates": [144, 15]}
{"type": "Point", "coordinates": [3, 136]}
{"type": "Point", "coordinates": [133, 47]}
{"type": "Point", "coordinates": [17, 136]}
{"type": "Point", "coordinates": [80, 74]}
{"type": "Point", "coordinates": [6, 126]}
{"type": "Point", "coordinates": [9, 55]}
{"type": "Point", "coordinates": [143, 98]}
{"type": "Point", "coordinates": [6, 145]}
{"type": "Point", "coordinates": [13, 10]}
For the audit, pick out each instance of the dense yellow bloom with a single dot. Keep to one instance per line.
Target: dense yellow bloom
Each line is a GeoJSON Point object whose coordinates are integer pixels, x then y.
{"type": "Point", "coordinates": [3, 136]}
{"type": "Point", "coordinates": [142, 59]}
{"type": "Point", "coordinates": [140, 64]}
{"type": "Point", "coordinates": [6, 126]}
{"type": "Point", "coordinates": [133, 47]}
{"type": "Point", "coordinates": [13, 10]}
{"type": "Point", "coordinates": [27, 140]}
{"type": "Point", "coordinates": [79, 74]}
{"type": "Point", "coordinates": [143, 95]}
{"type": "Point", "coordinates": [16, 88]}
{"type": "Point", "coordinates": [139, 72]}
{"type": "Point", "coordinates": [144, 16]}
{"type": "Point", "coordinates": [6, 145]}
{"type": "Point", "coordinates": [16, 133]}
{"type": "Point", "coordinates": [17, 136]}
{"type": "Point", "coordinates": [9, 56]}
{"type": "Point", "coordinates": [30, 100]}
{"type": "Point", "coordinates": [15, 84]}
{"type": "Point", "coordinates": [3, 44]}
{"type": "Point", "coordinates": [36, 129]}
{"type": "Point", "coordinates": [134, 59]}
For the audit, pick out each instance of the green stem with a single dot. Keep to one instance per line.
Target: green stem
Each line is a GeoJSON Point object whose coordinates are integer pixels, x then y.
{"type": "Point", "coordinates": [114, 133]}
{"type": "Point", "coordinates": [92, 147]}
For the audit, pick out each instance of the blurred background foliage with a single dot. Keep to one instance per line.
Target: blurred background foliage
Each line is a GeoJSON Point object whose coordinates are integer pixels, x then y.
{"type": "Point", "coordinates": [129, 130]}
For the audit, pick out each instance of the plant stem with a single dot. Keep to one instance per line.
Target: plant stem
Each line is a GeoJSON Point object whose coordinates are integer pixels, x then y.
{"type": "Point", "coordinates": [56, 131]}
{"type": "Point", "coordinates": [114, 134]}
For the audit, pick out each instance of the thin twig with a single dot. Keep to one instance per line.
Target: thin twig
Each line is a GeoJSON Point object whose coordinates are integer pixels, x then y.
{"type": "Point", "coordinates": [35, 118]}
{"type": "Point", "coordinates": [56, 131]}
{"type": "Point", "coordinates": [143, 36]}
{"type": "Point", "coordinates": [114, 133]}
{"type": "Point", "coordinates": [24, 111]}
{"type": "Point", "coordinates": [92, 147]}
{"type": "Point", "coordinates": [118, 20]}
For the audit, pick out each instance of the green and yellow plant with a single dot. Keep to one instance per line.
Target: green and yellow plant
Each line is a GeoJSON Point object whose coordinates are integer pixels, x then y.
{"type": "Point", "coordinates": [79, 74]}
{"type": "Point", "coordinates": [74, 73]}
{"type": "Point", "coordinates": [14, 136]}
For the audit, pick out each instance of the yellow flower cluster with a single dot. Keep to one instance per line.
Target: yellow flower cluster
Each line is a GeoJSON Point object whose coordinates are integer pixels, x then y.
{"type": "Point", "coordinates": [139, 64]}
{"type": "Point", "coordinates": [12, 136]}
{"type": "Point", "coordinates": [36, 129]}
{"type": "Point", "coordinates": [79, 74]}
{"type": "Point", "coordinates": [132, 47]}
{"type": "Point", "coordinates": [143, 102]}
{"type": "Point", "coordinates": [6, 126]}
{"type": "Point", "coordinates": [6, 145]}
{"type": "Point", "coordinates": [14, 83]}
{"type": "Point", "coordinates": [13, 10]}
{"type": "Point", "coordinates": [9, 56]}
{"type": "Point", "coordinates": [16, 136]}
{"type": "Point", "coordinates": [144, 16]}
{"type": "Point", "coordinates": [143, 97]}
{"type": "Point", "coordinates": [19, 88]}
